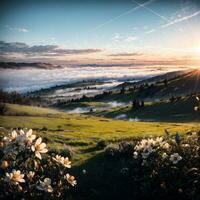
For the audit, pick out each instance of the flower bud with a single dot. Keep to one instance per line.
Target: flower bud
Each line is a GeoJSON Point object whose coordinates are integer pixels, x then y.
{"type": "Point", "coordinates": [4, 164]}
{"type": "Point", "coordinates": [180, 190]}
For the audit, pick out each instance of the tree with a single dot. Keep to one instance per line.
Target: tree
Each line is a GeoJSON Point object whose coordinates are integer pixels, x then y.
{"type": "Point", "coordinates": [165, 82]}
{"type": "Point", "coordinates": [122, 90]}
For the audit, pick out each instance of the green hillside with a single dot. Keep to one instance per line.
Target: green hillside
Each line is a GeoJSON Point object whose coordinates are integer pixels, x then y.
{"type": "Point", "coordinates": [81, 132]}
{"type": "Point", "coordinates": [181, 110]}
{"type": "Point", "coordinates": [159, 87]}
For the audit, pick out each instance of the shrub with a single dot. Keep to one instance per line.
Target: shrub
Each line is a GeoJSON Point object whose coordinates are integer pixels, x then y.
{"type": "Point", "coordinates": [3, 108]}
{"type": "Point", "coordinates": [126, 148]}
{"type": "Point", "coordinates": [165, 168]}
{"type": "Point", "coordinates": [28, 172]}
{"type": "Point", "coordinates": [101, 144]}
{"type": "Point", "coordinates": [44, 128]}
{"type": "Point", "coordinates": [112, 150]}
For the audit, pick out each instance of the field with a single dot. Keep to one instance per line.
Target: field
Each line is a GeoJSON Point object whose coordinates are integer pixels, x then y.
{"type": "Point", "coordinates": [82, 132]}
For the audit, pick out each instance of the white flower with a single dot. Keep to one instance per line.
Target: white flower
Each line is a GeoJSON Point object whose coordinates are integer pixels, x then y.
{"type": "Point", "coordinates": [13, 136]}
{"type": "Point", "coordinates": [159, 140]}
{"type": "Point", "coordinates": [175, 158]}
{"type": "Point", "coordinates": [196, 108]}
{"type": "Point", "coordinates": [64, 161]}
{"type": "Point", "coordinates": [57, 158]}
{"type": "Point", "coordinates": [135, 155]}
{"type": "Point", "coordinates": [166, 146]}
{"type": "Point", "coordinates": [15, 177]}
{"type": "Point", "coordinates": [39, 148]}
{"type": "Point", "coordinates": [45, 185]}
{"type": "Point", "coordinates": [29, 136]}
{"type": "Point", "coordinates": [164, 155]}
{"type": "Point", "coordinates": [186, 145]}
{"type": "Point", "coordinates": [70, 179]}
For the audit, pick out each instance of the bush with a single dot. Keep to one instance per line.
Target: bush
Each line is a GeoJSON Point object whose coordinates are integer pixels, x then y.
{"type": "Point", "coordinates": [2, 109]}
{"type": "Point", "coordinates": [165, 168]}
{"type": "Point", "coordinates": [112, 150]}
{"type": "Point", "coordinates": [101, 144]}
{"type": "Point", "coordinates": [27, 172]}
{"type": "Point", "coordinates": [126, 148]}
{"type": "Point", "coordinates": [44, 128]}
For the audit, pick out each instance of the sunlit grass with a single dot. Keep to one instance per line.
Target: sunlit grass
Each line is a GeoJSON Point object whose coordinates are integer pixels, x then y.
{"type": "Point", "coordinates": [81, 131]}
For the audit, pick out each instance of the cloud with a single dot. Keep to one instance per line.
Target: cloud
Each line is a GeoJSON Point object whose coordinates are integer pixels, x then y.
{"type": "Point", "coordinates": [125, 54]}
{"type": "Point", "coordinates": [116, 37]}
{"type": "Point", "coordinates": [181, 19]}
{"type": "Point", "coordinates": [131, 38]}
{"type": "Point", "coordinates": [7, 48]}
{"type": "Point", "coordinates": [150, 31]}
{"type": "Point", "coordinates": [24, 30]}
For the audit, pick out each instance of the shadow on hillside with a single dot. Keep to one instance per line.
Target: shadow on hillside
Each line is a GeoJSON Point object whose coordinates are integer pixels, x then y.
{"type": "Point", "coordinates": [100, 178]}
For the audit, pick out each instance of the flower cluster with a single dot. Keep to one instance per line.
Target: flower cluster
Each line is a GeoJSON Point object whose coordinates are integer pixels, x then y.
{"type": "Point", "coordinates": [63, 161]}
{"type": "Point", "coordinates": [26, 166]}
{"type": "Point", "coordinates": [147, 147]}
{"type": "Point", "coordinates": [170, 167]}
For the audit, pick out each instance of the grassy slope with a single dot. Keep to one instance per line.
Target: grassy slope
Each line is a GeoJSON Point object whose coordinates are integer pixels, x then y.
{"type": "Point", "coordinates": [185, 83]}
{"type": "Point", "coordinates": [178, 111]}
{"type": "Point", "coordinates": [80, 131]}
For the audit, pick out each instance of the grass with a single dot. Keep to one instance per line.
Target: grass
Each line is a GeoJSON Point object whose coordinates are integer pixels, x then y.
{"type": "Point", "coordinates": [80, 131]}
{"type": "Point", "coordinates": [179, 111]}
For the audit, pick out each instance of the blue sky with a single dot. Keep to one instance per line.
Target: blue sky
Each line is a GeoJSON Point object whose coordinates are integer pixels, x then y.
{"type": "Point", "coordinates": [141, 29]}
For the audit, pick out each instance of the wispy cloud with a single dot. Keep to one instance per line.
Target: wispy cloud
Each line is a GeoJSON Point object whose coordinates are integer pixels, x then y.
{"type": "Point", "coordinates": [121, 15]}
{"type": "Point", "coordinates": [131, 38]}
{"type": "Point", "coordinates": [176, 21]}
{"type": "Point", "coordinates": [116, 37]}
{"type": "Point", "coordinates": [24, 30]}
{"type": "Point", "coordinates": [125, 54]}
{"type": "Point", "coordinates": [150, 31]}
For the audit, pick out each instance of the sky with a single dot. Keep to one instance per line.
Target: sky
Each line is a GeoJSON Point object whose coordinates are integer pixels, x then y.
{"type": "Point", "coordinates": [101, 31]}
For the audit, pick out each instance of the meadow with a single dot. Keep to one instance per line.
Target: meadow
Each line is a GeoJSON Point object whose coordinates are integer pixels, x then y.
{"type": "Point", "coordinates": [83, 132]}
{"type": "Point", "coordinates": [102, 150]}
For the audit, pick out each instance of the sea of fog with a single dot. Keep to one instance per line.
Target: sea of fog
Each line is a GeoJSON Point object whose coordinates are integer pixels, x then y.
{"type": "Point", "coordinates": [23, 80]}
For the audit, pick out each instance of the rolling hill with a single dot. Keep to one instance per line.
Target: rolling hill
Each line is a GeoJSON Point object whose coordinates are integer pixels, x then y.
{"type": "Point", "coordinates": [180, 110]}
{"type": "Point", "coordinates": [165, 86]}
{"type": "Point", "coordinates": [81, 132]}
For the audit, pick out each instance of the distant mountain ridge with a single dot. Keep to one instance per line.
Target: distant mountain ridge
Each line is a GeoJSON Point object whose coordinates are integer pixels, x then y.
{"type": "Point", "coordinates": [39, 65]}
{"type": "Point", "coordinates": [178, 83]}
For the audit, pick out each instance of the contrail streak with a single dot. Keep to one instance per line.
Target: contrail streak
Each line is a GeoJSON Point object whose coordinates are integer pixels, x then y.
{"type": "Point", "coordinates": [121, 15]}
{"type": "Point", "coordinates": [181, 19]}
{"type": "Point", "coordinates": [152, 11]}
